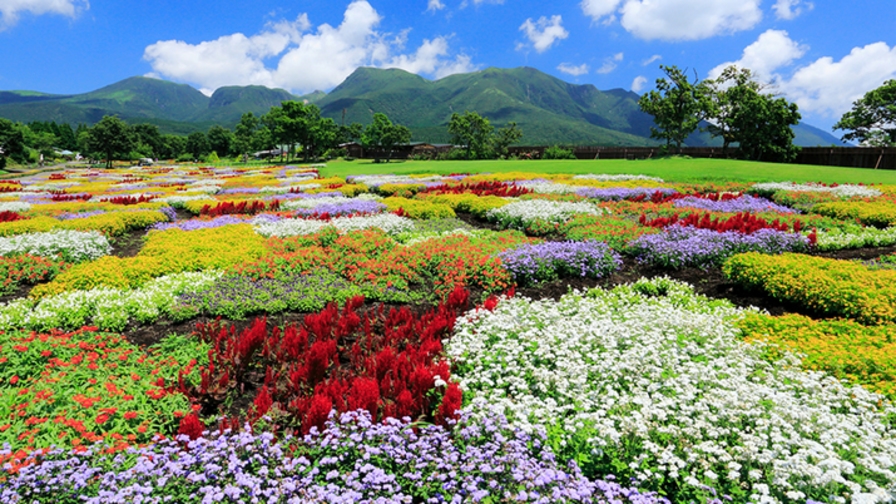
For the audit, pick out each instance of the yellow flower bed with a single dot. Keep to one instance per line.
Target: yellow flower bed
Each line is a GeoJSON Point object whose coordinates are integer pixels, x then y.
{"type": "Point", "coordinates": [110, 224]}
{"type": "Point", "coordinates": [402, 190]}
{"type": "Point", "coordinates": [476, 205]}
{"type": "Point", "coordinates": [511, 176]}
{"type": "Point", "coordinates": [165, 252]}
{"type": "Point", "coordinates": [419, 209]}
{"type": "Point", "coordinates": [347, 190]}
{"type": "Point", "coordinates": [846, 349]}
{"type": "Point", "coordinates": [828, 286]}
{"type": "Point", "coordinates": [52, 209]}
{"type": "Point", "coordinates": [879, 213]}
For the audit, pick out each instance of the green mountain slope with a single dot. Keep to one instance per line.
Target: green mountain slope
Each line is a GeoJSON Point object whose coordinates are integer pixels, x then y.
{"type": "Point", "coordinates": [547, 109]}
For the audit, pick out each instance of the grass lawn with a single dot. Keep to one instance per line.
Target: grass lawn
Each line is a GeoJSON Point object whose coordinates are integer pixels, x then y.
{"type": "Point", "coordinates": [671, 169]}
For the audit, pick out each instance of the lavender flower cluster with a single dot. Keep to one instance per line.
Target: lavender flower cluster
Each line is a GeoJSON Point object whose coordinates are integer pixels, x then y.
{"type": "Point", "coordinates": [194, 224]}
{"type": "Point", "coordinates": [549, 261]}
{"type": "Point", "coordinates": [681, 246]}
{"type": "Point", "coordinates": [621, 193]}
{"type": "Point", "coordinates": [349, 207]}
{"type": "Point", "coordinates": [78, 215]}
{"type": "Point", "coordinates": [352, 460]}
{"type": "Point", "coordinates": [744, 203]}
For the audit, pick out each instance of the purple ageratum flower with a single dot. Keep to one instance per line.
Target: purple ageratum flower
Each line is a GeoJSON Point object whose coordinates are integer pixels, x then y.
{"type": "Point", "coordinates": [744, 203]}
{"type": "Point", "coordinates": [334, 194]}
{"type": "Point", "coordinates": [353, 459]}
{"type": "Point", "coordinates": [621, 193]}
{"type": "Point", "coordinates": [681, 246]}
{"type": "Point", "coordinates": [548, 261]}
{"type": "Point", "coordinates": [78, 215]}
{"type": "Point", "coordinates": [169, 212]}
{"type": "Point", "coordinates": [194, 224]}
{"type": "Point", "coordinates": [348, 208]}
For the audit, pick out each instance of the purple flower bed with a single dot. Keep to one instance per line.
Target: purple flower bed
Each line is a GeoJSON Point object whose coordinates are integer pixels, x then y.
{"type": "Point", "coordinates": [352, 460]}
{"type": "Point", "coordinates": [194, 224]}
{"type": "Point", "coordinates": [621, 193]}
{"type": "Point", "coordinates": [169, 212]}
{"type": "Point", "coordinates": [549, 261]}
{"type": "Point", "coordinates": [78, 215]}
{"type": "Point", "coordinates": [338, 209]}
{"type": "Point", "coordinates": [744, 203]}
{"type": "Point", "coordinates": [680, 246]}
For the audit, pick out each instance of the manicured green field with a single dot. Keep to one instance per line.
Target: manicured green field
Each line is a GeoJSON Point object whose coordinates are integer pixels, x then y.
{"type": "Point", "coordinates": [672, 169]}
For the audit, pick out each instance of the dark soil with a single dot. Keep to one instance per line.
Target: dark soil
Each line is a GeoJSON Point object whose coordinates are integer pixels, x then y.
{"type": "Point", "coordinates": [129, 245]}
{"type": "Point", "coordinates": [477, 222]}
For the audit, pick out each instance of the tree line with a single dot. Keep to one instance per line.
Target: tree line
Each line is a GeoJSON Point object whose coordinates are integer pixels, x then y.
{"type": "Point", "coordinates": [741, 111]}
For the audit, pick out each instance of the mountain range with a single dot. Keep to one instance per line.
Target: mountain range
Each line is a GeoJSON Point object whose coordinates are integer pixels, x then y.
{"type": "Point", "coordinates": [547, 110]}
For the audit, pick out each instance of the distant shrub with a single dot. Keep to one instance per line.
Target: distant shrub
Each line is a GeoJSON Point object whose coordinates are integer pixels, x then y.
{"type": "Point", "coordinates": [557, 152]}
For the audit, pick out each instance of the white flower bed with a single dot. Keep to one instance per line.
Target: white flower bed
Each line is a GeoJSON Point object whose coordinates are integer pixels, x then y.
{"type": "Point", "coordinates": [14, 206]}
{"type": "Point", "coordinates": [842, 191]}
{"type": "Point", "coordinates": [75, 246]}
{"type": "Point", "coordinates": [109, 309]}
{"type": "Point", "coordinates": [313, 202]}
{"type": "Point", "coordinates": [664, 387]}
{"type": "Point", "coordinates": [178, 201]}
{"type": "Point", "coordinates": [521, 213]}
{"type": "Point", "coordinates": [615, 178]}
{"type": "Point", "coordinates": [378, 180]}
{"type": "Point", "coordinates": [390, 223]}
{"type": "Point", "coordinates": [551, 188]}
{"type": "Point", "coordinates": [856, 238]}
{"type": "Point", "coordinates": [287, 188]}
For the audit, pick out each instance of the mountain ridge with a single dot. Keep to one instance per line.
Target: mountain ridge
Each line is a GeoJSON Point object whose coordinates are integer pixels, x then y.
{"type": "Point", "coordinates": [548, 110]}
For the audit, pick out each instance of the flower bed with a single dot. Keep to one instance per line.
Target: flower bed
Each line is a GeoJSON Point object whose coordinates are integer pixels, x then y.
{"type": "Point", "coordinates": [828, 286]}
{"type": "Point", "coordinates": [541, 262]}
{"type": "Point", "coordinates": [653, 382]}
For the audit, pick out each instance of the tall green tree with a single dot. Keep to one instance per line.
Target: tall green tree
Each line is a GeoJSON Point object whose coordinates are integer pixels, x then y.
{"type": "Point", "coordinates": [12, 142]}
{"type": "Point", "coordinates": [197, 145]}
{"type": "Point", "coordinates": [677, 106]}
{"type": "Point", "coordinates": [382, 135]}
{"type": "Point", "coordinates": [172, 147]}
{"type": "Point", "coordinates": [872, 120]}
{"type": "Point", "coordinates": [244, 133]}
{"type": "Point", "coordinates": [740, 111]}
{"type": "Point", "coordinates": [220, 140]}
{"type": "Point", "coordinates": [505, 137]}
{"type": "Point", "coordinates": [149, 140]}
{"type": "Point", "coordinates": [472, 131]}
{"type": "Point", "coordinates": [351, 133]}
{"type": "Point", "coordinates": [110, 138]}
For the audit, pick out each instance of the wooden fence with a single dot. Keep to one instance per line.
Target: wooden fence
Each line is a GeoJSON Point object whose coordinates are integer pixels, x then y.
{"type": "Point", "coordinates": [852, 157]}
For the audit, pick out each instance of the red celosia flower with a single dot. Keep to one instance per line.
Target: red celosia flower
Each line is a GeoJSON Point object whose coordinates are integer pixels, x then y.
{"type": "Point", "coordinates": [191, 426]}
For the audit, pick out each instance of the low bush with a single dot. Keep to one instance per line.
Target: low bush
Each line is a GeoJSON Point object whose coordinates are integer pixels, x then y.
{"type": "Point", "coordinates": [879, 213]}
{"type": "Point", "coordinates": [829, 287]}
{"type": "Point", "coordinates": [418, 209]}
{"type": "Point", "coordinates": [844, 348]}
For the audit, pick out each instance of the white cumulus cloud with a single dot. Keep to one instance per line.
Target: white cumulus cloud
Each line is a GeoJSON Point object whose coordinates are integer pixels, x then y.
{"type": "Point", "coordinates": [575, 70]}
{"type": "Point", "coordinates": [543, 33]}
{"type": "Point", "coordinates": [10, 10]}
{"type": "Point", "coordinates": [639, 83]}
{"type": "Point", "coordinates": [677, 19]}
{"type": "Point", "coordinates": [434, 5]}
{"type": "Point", "coordinates": [655, 57]}
{"type": "Point", "coordinates": [829, 87]}
{"type": "Point", "coordinates": [597, 9]}
{"type": "Point", "coordinates": [610, 63]}
{"type": "Point", "coordinates": [306, 58]}
{"type": "Point", "coordinates": [789, 9]}
{"type": "Point", "coordinates": [772, 50]}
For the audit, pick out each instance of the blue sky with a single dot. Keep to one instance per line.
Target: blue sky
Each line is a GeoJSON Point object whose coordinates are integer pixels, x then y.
{"type": "Point", "coordinates": [822, 54]}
